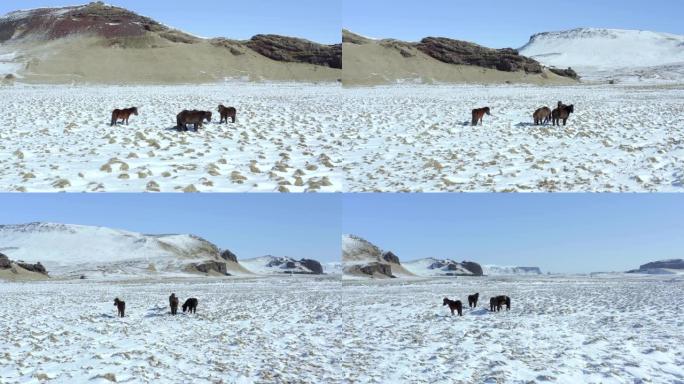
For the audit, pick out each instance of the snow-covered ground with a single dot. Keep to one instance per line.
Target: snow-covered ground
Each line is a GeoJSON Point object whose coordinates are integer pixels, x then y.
{"type": "Point", "coordinates": [559, 330]}
{"type": "Point", "coordinates": [245, 331]}
{"type": "Point", "coordinates": [58, 138]}
{"type": "Point", "coordinates": [419, 138]}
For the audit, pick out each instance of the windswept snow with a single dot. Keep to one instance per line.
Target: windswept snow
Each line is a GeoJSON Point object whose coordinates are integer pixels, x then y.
{"type": "Point", "coordinates": [419, 138]}
{"type": "Point", "coordinates": [494, 270]}
{"type": "Point", "coordinates": [561, 330]}
{"type": "Point", "coordinates": [597, 53]}
{"type": "Point", "coordinates": [253, 331]}
{"type": "Point", "coordinates": [58, 138]}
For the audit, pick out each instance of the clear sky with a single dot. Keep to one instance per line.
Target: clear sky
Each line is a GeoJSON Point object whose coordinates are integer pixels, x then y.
{"type": "Point", "coordinates": [564, 233]}
{"type": "Point", "coordinates": [317, 20]}
{"type": "Point", "coordinates": [250, 225]}
{"type": "Point", "coordinates": [505, 23]}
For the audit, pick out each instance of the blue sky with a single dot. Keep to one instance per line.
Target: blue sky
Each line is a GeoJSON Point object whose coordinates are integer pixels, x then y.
{"type": "Point", "coordinates": [312, 19]}
{"type": "Point", "coordinates": [250, 225]}
{"type": "Point", "coordinates": [505, 23]}
{"type": "Point", "coordinates": [571, 233]}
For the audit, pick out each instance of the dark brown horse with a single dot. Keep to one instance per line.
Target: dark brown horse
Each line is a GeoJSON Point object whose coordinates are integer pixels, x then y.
{"type": "Point", "coordinates": [478, 114]}
{"type": "Point", "coordinates": [562, 112]}
{"type": "Point", "coordinates": [497, 302]}
{"type": "Point", "coordinates": [542, 115]}
{"type": "Point", "coordinates": [123, 115]}
{"type": "Point", "coordinates": [193, 117]}
{"type": "Point", "coordinates": [454, 306]}
{"type": "Point", "coordinates": [190, 305]}
{"type": "Point", "coordinates": [120, 307]}
{"type": "Point", "coordinates": [173, 302]}
{"type": "Point", "coordinates": [472, 300]}
{"type": "Point", "coordinates": [227, 112]}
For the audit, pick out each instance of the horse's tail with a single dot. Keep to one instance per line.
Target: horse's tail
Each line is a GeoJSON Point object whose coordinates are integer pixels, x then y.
{"type": "Point", "coordinates": [114, 116]}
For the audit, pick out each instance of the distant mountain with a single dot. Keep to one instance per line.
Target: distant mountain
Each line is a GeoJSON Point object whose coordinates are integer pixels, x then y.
{"type": "Point", "coordinates": [442, 267]}
{"type": "Point", "coordinates": [362, 258]}
{"type": "Point", "coordinates": [437, 59]}
{"type": "Point", "coordinates": [664, 267]}
{"type": "Point", "coordinates": [102, 43]}
{"type": "Point", "coordinates": [275, 265]}
{"type": "Point", "coordinates": [611, 54]}
{"type": "Point", "coordinates": [495, 270]}
{"type": "Point", "coordinates": [73, 250]}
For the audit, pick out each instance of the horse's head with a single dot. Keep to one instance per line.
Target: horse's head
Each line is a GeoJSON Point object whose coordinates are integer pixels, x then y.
{"type": "Point", "coordinates": [445, 301]}
{"type": "Point", "coordinates": [116, 301]}
{"type": "Point", "coordinates": [185, 307]}
{"type": "Point", "coordinates": [207, 115]}
{"type": "Point", "coordinates": [220, 108]}
{"type": "Point", "coordinates": [135, 110]}
{"type": "Point", "coordinates": [570, 108]}
{"type": "Point", "coordinates": [487, 111]}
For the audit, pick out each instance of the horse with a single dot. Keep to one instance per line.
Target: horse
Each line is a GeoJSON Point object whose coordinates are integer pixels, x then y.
{"type": "Point", "coordinates": [173, 302]}
{"type": "Point", "coordinates": [123, 115]}
{"type": "Point", "coordinates": [227, 112]}
{"type": "Point", "coordinates": [542, 115]}
{"type": "Point", "coordinates": [454, 306]}
{"type": "Point", "coordinates": [120, 307]}
{"type": "Point", "coordinates": [478, 114]}
{"type": "Point", "coordinates": [193, 117]}
{"type": "Point", "coordinates": [472, 300]}
{"type": "Point", "coordinates": [561, 113]}
{"type": "Point", "coordinates": [190, 305]}
{"type": "Point", "coordinates": [497, 301]}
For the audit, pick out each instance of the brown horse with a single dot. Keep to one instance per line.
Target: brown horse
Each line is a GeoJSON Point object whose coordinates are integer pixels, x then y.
{"type": "Point", "coordinates": [193, 117]}
{"type": "Point", "coordinates": [190, 305]}
{"type": "Point", "coordinates": [478, 114]}
{"type": "Point", "coordinates": [173, 302]}
{"type": "Point", "coordinates": [123, 115]}
{"type": "Point", "coordinates": [120, 307]}
{"type": "Point", "coordinates": [542, 115]}
{"type": "Point", "coordinates": [472, 300]}
{"type": "Point", "coordinates": [454, 306]}
{"type": "Point", "coordinates": [497, 302]}
{"type": "Point", "coordinates": [562, 113]}
{"type": "Point", "coordinates": [227, 112]}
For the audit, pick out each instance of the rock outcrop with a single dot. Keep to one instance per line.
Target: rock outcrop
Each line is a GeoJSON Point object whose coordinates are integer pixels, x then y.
{"type": "Point", "coordinates": [211, 266]}
{"type": "Point", "coordinates": [228, 255]}
{"type": "Point", "coordinates": [5, 262]}
{"type": "Point", "coordinates": [473, 267]}
{"type": "Point", "coordinates": [293, 49]}
{"type": "Point", "coordinates": [452, 51]}
{"type": "Point", "coordinates": [313, 265]}
{"type": "Point", "coordinates": [390, 257]}
{"type": "Point", "coordinates": [660, 266]}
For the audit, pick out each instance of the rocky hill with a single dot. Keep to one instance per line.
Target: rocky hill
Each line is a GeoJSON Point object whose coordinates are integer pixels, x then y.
{"type": "Point", "coordinates": [362, 258]}
{"type": "Point", "coordinates": [443, 267]}
{"type": "Point", "coordinates": [671, 266]}
{"type": "Point", "coordinates": [102, 43]}
{"type": "Point", "coordinates": [276, 265]}
{"type": "Point", "coordinates": [73, 250]}
{"type": "Point", "coordinates": [437, 59]}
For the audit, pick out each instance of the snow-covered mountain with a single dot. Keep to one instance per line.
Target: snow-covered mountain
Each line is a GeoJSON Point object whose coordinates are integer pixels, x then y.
{"type": "Point", "coordinates": [67, 250]}
{"type": "Point", "coordinates": [360, 257]}
{"type": "Point", "coordinates": [431, 266]}
{"type": "Point", "coordinates": [603, 54]}
{"type": "Point", "coordinates": [495, 270]}
{"type": "Point", "coordinates": [266, 265]}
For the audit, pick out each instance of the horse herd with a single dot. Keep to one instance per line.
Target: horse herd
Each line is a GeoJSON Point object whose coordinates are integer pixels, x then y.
{"type": "Point", "coordinates": [185, 117]}
{"type": "Point", "coordinates": [190, 305]}
{"type": "Point", "coordinates": [495, 303]}
{"type": "Point", "coordinates": [541, 116]}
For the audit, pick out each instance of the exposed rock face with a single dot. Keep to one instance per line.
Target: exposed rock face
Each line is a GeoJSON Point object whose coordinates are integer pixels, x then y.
{"type": "Point", "coordinates": [370, 269]}
{"type": "Point", "coordinates": [461, 52]}
{"type": "Point", "coordinates": [5, 262]}
{"type": "Point", "coordinates": [473, 267]}
{"type": "Point", "coordinates": [654, 266]}
{"type": "Point", "coordinates": [228, 255]}
{"type": "Point", "coordinates": [209, 266]}
{"type": "Point", "coordinates": [569, 72]}
{"type": "Point", "coordinates": [37, 267]}
{"type": "Point", "coordinates": [292, 49]}
{"type": "Point", "coordinates": [313, 265]}
{"type": "Point", "coordinates": [390, 257]}
{"type": "Point", "coordinates": [94, 18]}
